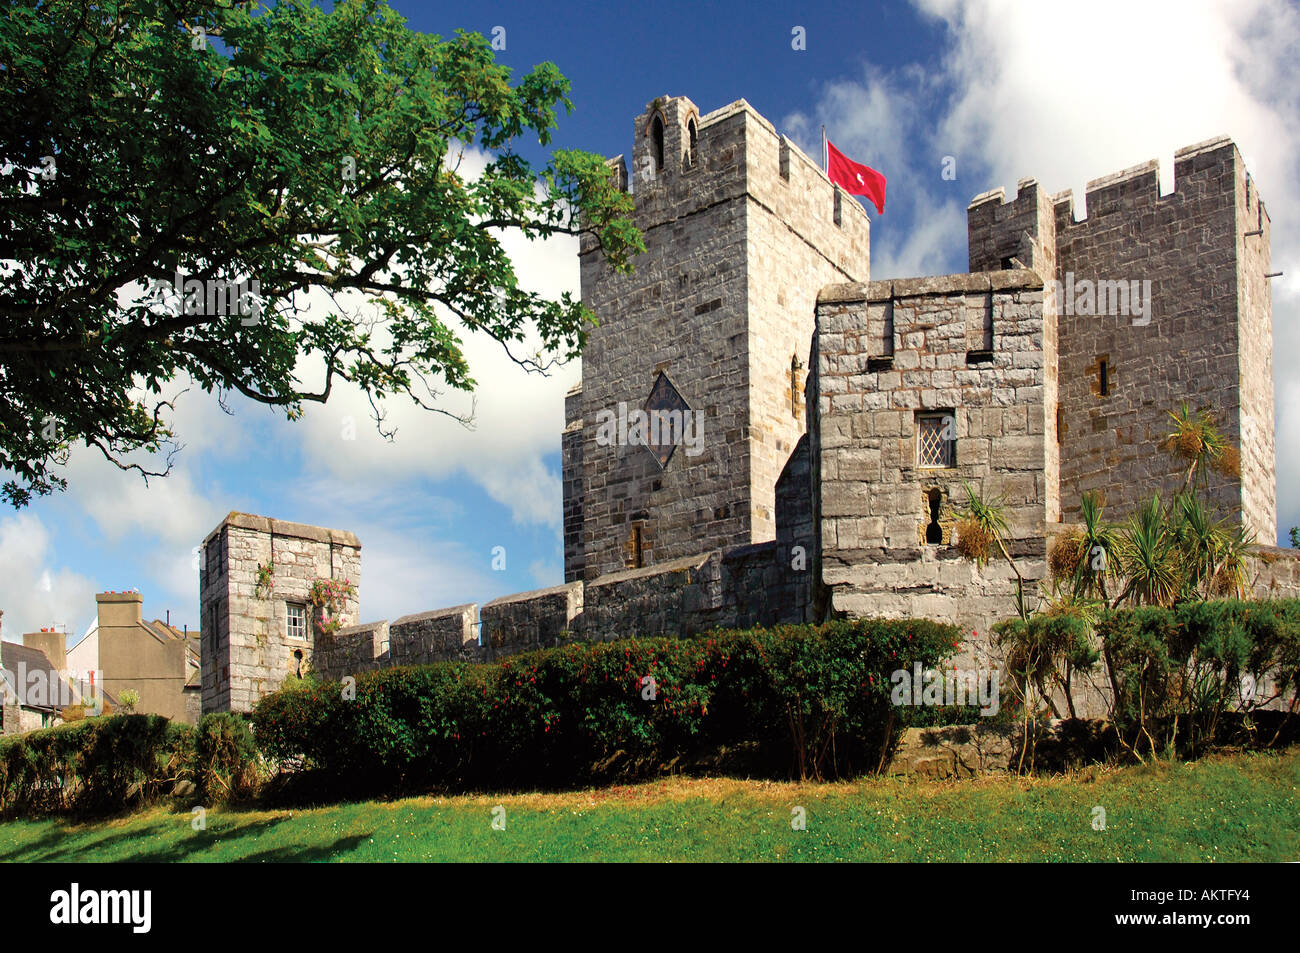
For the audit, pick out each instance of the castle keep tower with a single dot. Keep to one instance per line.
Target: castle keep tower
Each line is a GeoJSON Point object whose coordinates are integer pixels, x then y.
{"type": "Point", "coordinates": [1197, 258]}
{"type": "Point", "coordinates": [254, 635]}
{"type": "Point", "coordinates": [742, 230]}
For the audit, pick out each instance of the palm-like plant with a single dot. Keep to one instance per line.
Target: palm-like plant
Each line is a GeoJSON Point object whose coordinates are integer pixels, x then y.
{"type": "Point", "coordinates": [1197, 441]}
{"type": "Point", "coordinates": [1098, 549]}
{"type": "Point", "coordinates": [1148, 557]}
{"type": "Point", "coordinates": [1230, 577]}
{"type": "Point", "coordinates": [982, 528]}
{"type": "Point", "coordinates": [1200, 541]}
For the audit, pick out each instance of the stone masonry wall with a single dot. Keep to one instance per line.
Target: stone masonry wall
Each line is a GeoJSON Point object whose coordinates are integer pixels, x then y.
{"type": "Point", "coordinates": [681, 312]}
{"type": "Point", "coordinates": [1253, 233]}
{"type": "Point", "coordinates": [804, 234]}
{"type": "Point", "coordinates": [350, 650]}
{"type": "Point", "coordinates": [442, 635]}
{"type": "Point", "coordinates": [738, 241]}
{"type": "Point", "coordinates": [888, 352]}
{"type": "Point", "coordinates": [1208, 342]}
{"type": "Point", "coordinates": [571, 470]}
{"type": "Point", "coordinates": [677, 598]}
{"type": "Point", "coordinates": [1274, 573]}
{"type": "Point", "coordinates": [254, 652]}
{"type": "Point", "coordinates": [530, 620]}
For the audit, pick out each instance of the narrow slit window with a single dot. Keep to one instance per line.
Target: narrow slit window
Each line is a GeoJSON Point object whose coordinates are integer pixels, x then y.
{"type": "Point", "coordinates": [934, 507]}
{"type": "Point", "coordinates": [794, 386]}
{"type": "Point", "coordinates": [692, 138]}
{"type": "Point", "coordinates": [1103, 377]}
{"type": "Point", "coordinates": [657, 143]}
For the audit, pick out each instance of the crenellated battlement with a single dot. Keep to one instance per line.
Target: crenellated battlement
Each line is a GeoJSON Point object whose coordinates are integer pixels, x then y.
{"type": "Point", "coordinates": [1199, 254]}
{"type": "Point", "coordinates": [680, 156]}
{"type": "Point", "coordinates": [1198, 177]}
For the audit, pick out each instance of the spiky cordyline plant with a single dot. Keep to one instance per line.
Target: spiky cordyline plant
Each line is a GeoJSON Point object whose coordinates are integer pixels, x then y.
{"type": "Point", "coordinates": [982, 527]}
{"type": "Point", "coordinates": [1197, 441]}
{"type": "Point", "coordinates": [1148, 557]}
{"type": "Point", "coordinates": [1098, 548]}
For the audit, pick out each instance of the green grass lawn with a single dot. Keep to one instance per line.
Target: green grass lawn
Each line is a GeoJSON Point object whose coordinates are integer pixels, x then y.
{"type": "Point", "coordinates": [1225, 808]}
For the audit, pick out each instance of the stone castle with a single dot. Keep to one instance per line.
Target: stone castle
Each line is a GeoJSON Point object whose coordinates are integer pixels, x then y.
{"type": "Point", "coordinates": [817, 423]}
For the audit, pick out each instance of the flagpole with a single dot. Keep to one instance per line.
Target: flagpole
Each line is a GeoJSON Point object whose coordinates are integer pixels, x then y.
{"type": "Point", "coordinates": [826, 159]}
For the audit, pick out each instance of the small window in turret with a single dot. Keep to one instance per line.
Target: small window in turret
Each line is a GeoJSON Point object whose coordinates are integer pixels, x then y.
{"type": "Point", "coordinates": [692, 138]}
{"type": "Point", "coordinates": [657, 143]}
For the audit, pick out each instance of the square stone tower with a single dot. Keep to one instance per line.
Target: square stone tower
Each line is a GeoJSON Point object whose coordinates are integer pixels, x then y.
{"type": "Point", "coordinates": [1199, 258]}
{"type": "Point", "coordinates": [257, 621]}
{"type": "Point", "coordinates": [742, 230]}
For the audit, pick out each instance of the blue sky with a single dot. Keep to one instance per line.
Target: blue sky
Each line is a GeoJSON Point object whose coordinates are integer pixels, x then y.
{"type": "Point", "coordinates": [1065, 92]}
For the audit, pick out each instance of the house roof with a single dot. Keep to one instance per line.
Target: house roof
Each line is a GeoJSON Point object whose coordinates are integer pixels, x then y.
{"type": "Point", "coordinates": [13, 654]}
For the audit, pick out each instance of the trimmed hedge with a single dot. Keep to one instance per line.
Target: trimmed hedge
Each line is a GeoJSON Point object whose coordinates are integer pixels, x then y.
{"type": "Point", "coordinates": [120, 762]}
{"type": "Point", "coordinates": [809, 701]}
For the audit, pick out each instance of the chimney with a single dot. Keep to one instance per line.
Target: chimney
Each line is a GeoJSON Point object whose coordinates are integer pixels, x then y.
{"type": "Point", "coordinates": [119, 609]}
{"type": "Point", "coordinates": [54, 644]}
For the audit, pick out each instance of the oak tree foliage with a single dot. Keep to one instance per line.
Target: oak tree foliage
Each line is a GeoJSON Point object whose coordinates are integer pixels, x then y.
{"type": "Point", "coordinates": [304, 150]}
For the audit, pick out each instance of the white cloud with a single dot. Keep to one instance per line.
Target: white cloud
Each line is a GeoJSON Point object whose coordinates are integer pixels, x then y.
{"type": "Point", "coordinates": [882, 120]}
{"type": "Point", "coordinates": [1071, 91]}
{"type": "Point", "coordinates": [517, 415]}
{"type": "Point", "coordinates": [404, 573]}
{"type": "Point", "coordinates": [37, 592]}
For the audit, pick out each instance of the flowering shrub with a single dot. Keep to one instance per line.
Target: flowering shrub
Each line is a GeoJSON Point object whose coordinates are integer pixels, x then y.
{"type": "Point", "coordinates": [328, 597]}
{"type": "Point", "coordinates": [812, 701]}
{"type": "Point", "coordinates": [265, 579]}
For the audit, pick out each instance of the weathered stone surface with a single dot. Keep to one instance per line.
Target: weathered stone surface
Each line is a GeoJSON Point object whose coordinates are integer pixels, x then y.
{"type": "Point", "coordinates": [1206, 338]}
{"type": "Point", "coordinates": [810, 491]}
{"type": "Point", "coordinates": [246, 649]}
{"type": "Point", "coordinates": [741, 233]}
{"type": "Point", "coordinates": [530, 620]}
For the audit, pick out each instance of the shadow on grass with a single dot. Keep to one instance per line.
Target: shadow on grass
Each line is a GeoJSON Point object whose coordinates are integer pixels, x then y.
{"type": "Point", "coordinates": [68, 844]}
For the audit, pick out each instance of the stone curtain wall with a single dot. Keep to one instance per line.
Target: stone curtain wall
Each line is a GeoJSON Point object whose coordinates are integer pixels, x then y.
{"type": "Point", "coordinates": [1274, 573]}
{"type": "Point", "coordinates": [350, 650]}
{"type": "Point", "coordinates": [530, 620]}
{"type": "Point", "coordinates": [441, 635]}
{"type": "Point", "coordinates": [744, 587]}
{"type": "Point", "coordinates": [669, 599]}
{"type": "Point", "coordinates": [1209, 340]}
{"type": "Point", "coordinates": [887, 351]}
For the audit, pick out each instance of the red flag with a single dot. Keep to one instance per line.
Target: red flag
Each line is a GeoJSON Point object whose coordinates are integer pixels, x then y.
{"type": "Point", "coordinates": [855, 178]}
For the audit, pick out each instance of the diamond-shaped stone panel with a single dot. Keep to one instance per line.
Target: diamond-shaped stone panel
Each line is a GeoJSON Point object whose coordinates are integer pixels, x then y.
{"type": "Point", "coordinates": [663, 438]}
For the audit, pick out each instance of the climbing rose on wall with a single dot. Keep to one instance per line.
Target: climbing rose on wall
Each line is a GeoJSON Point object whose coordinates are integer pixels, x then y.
{"type": "Point", "coordinates": [328, 596]}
